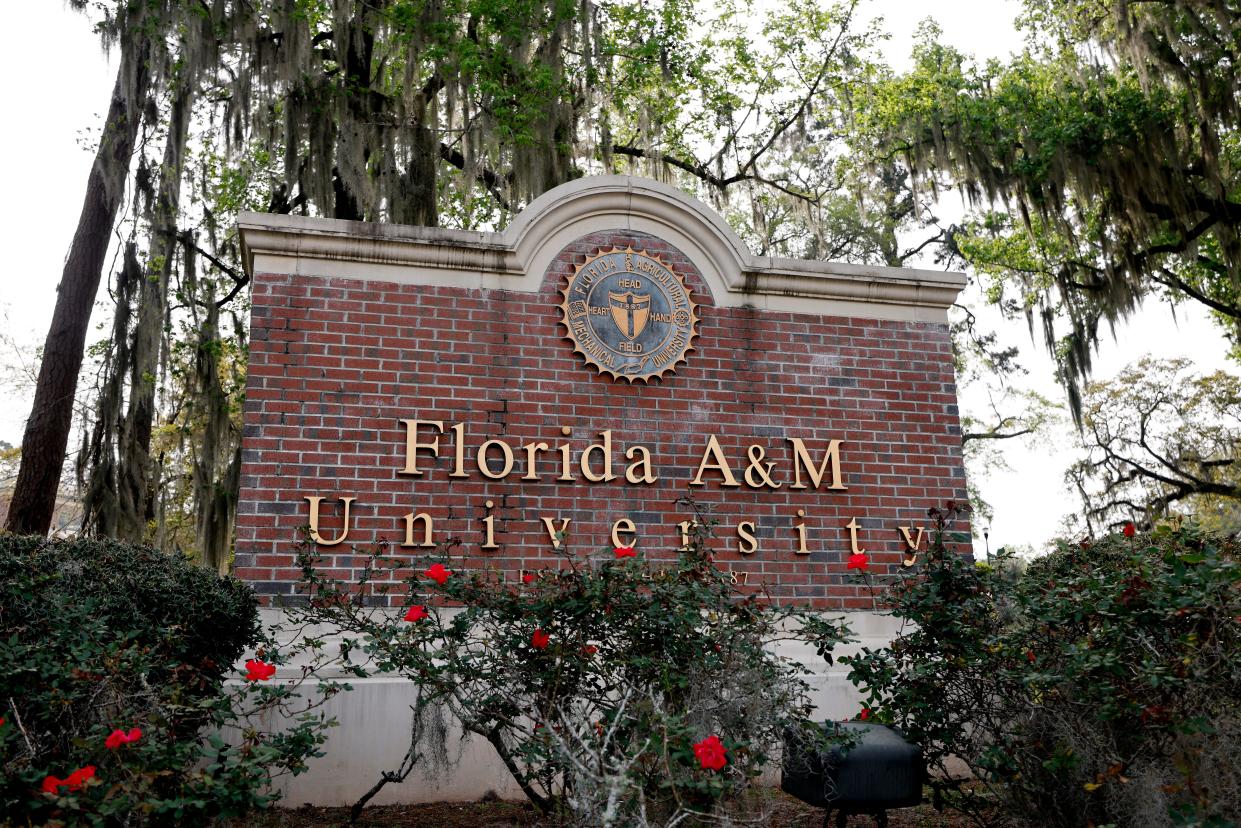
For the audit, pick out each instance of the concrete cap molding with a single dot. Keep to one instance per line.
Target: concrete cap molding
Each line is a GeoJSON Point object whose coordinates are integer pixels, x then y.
{"type": "Point", "coordinates": [517, 258]}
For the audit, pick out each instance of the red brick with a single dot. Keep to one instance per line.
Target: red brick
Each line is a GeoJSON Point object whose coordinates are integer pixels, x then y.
{"type": "Point", "coordinates": [326, 392]}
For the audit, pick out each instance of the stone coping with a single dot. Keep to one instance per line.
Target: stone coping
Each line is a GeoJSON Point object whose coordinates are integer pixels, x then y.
{"type": "Point", "coordinates": [517, 258]}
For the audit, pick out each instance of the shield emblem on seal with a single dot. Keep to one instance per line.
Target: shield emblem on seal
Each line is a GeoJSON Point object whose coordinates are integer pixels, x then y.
{"type": "Point", "coordinates": [630, 312]}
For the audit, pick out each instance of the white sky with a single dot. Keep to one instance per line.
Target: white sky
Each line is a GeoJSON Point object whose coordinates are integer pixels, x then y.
{"type": "Point", "coordinates": [49, 162]}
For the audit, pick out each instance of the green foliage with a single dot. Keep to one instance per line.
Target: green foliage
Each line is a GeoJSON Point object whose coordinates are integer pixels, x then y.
{"type": "Point", "coordinates": [1101, 686]}
{"type": "Point", "coordinates": [1161, 440]}
{"type": "Point", "coordinates": [1107, 155]}
{"type": "Point", "coordinates": [598, 719]}
{"type": "Point", "coordinates": [100, 636]}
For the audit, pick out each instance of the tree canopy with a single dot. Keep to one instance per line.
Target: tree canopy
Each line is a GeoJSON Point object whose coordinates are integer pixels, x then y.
{"type": "Point", "coordinates": [1106, 158]}
{"type": "Point", "coordinates": [1102, 166]}
{"type": "Point", "coordinates": [452, 113]}
{"type": "Point", "coordinates": [1160, 436]}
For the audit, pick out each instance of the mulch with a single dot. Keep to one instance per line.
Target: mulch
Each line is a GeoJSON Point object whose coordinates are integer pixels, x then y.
{"type": "Point", "coordinates": [786, 812]}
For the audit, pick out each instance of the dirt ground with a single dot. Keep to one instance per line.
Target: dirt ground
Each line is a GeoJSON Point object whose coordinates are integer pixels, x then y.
{"type": "Point", "coordinates": [786, 813]}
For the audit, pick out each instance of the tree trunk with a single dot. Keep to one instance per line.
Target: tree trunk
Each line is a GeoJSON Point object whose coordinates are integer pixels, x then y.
{"type": "Point", "coordinates": [216, 475]}
{"type": "Point", "coordinates": [136, 488]}
{"type": "Point", "coordinates": [51, 416]}
{"type": "Point", "coordinates": [97, 462]}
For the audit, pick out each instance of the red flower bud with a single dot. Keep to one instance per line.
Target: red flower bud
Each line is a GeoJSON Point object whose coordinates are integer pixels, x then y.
{"type": "Point", "coordinates": [858, 561]}
{"type": "Point", "coordinates": [540, 639]}
{"type": "Point", "coordinates": [119, 737]}
{"type": "Point", "coordinates": [259, 670]}
{"type": "Point", "coordinates": [711, 753]}
{"type": "Point", "coordinates": [1129, 529]}
{"type": "Point", "coordinates": [73, 782]}
{"type": "Point", "coordinates": [527, 577]}
{"type": "Point", "coordinates": [864, 715]}
{"type": "Point", "coordinates": [438, 574]}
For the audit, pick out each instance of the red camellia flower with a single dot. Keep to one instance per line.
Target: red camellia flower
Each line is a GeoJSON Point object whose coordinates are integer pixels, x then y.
{"type": "Point", "coordinates": [416, 613]}
{"type": "Point", "coordinates": [625, 552]}
{"type": "Point", "coordinates": [72, 782]}
{"type": "Point", "coordinates": [119, 737]}
{"type": "Point", "coordinates": [438, 574]}
{"type": "Point", "coordinates": [710, 753]}
{"type": "Point", "coordinates": [259, 670]}
{"type": "Point", "coordinates": [858, 561]}
{"type": "Point", "coordinates": [864, 715]}
{"type": "Point", "coordinates": [540, 639]}
{"type": "Point", "coordinates": [1129, 530]}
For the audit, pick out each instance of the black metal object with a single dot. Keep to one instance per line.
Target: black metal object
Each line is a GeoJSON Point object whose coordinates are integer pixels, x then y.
{"type": "Point", "coordinates": [876, 770]}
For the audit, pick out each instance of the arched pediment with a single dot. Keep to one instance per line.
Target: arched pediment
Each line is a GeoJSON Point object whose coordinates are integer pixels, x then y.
{"type": "Point", "coordinates": [517, 257]}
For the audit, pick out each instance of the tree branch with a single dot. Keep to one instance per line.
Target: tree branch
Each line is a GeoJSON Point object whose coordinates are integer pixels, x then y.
{"type": "Point", "coordinates": [701, 172]}
{"type": "Point", "coordinates": [994, 435]}
{"type": "Point", "coordinates": [489, 178]}
{"type": "Point", "coordinates": [1170, 279]}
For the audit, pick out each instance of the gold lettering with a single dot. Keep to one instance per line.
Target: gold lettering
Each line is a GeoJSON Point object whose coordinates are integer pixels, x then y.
{"type": "Point", "coordinates": [459, 447]}
{"type": "Point", "coordinates": [642, 462]}
{"type": "Point", "coordinates": [911, 554]}
{"type": "Point", "coordinates": [565, 465]}
{"type": "Point", "coordinates": [485, 467]}
{"type": "Point", "coordinates": [489, 524]}
{"type": "Point", "coordinates": [747, 544]}
{"type": "Point", "coordinates": [556, 535]}
{"type": "Point", "coordinates": [853, 542]}
{"type": "Point", "coordinates": [532, 472]}
{"type": "Point", "coordinates": [624, 525]}
{"type": "Point", "coordinates": [713, 458]}
{"type": "Point", "coordinates": [314, 521]}
{"type": "Point", "coordinates": [910, 541]}
{"type": "Point", "coordinates": [685, 527]}
{"type": "Point", "coordinates": [800, 528]}
{"type": "Point", "coordinates": [758, 472]}
{"type": "Point", "coordinates": [801, 458]}
{"type": "Point", "coordinates": [412, 445]}
{"type": "Point", "coordinates": [604, 448]}
{"type": "Point", "coordinates": [426, 529]}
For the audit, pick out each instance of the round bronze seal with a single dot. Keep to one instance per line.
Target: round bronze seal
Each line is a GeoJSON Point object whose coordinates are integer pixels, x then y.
{"type": "Point", "coordinates": [629, 314]}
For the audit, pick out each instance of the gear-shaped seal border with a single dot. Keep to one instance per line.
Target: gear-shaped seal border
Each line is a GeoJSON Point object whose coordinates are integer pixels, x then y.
{"type": "Point", "coordinates": [671, 365]}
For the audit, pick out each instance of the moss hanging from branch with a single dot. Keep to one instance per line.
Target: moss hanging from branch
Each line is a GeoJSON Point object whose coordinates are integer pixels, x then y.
{"type": "Point", "coordinates": [1119, 150]}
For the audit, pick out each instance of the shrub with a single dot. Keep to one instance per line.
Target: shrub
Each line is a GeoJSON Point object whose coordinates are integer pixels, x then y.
{"type": "Point", "coordinates": [1102, 686]}
{"type": "Point", "coordinates": [615, 693]}
{"type": "Point", "coordinates": [113, 662]}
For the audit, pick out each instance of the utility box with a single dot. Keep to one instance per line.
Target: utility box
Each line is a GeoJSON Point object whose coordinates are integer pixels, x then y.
{"type": "Point", "coordinates": [874, 771]}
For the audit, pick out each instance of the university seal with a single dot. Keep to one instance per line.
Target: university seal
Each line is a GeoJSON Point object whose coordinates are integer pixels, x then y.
{"type": "Point", "coordinates": [629, 314]}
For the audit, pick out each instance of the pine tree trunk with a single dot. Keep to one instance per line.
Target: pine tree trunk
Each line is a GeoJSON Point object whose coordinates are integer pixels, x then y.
{"type": "Point", "coordinates": [51, 416]}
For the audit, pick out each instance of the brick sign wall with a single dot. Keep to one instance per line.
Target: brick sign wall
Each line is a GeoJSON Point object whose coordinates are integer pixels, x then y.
{"type": "Point", "coordinates": [420, 372]}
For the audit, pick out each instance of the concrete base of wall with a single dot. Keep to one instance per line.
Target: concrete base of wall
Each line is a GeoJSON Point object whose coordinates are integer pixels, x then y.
{"type": "Point", "coordinates": [374, 731]}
